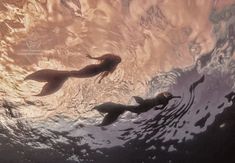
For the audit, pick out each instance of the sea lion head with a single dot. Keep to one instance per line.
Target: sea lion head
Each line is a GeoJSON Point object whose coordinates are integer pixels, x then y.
{"type": "Point", "coordinates": [118, 59]}
{"type": "Point", "coordinates": [168, 95]}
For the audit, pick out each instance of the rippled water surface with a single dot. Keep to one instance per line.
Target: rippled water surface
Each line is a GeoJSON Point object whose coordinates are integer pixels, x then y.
{"type": "Point", "coordinates": [185, 47]}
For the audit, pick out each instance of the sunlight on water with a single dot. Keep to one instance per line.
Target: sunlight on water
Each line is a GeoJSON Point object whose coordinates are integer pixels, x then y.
{"type": "Point", "coordinates": [185, 47]}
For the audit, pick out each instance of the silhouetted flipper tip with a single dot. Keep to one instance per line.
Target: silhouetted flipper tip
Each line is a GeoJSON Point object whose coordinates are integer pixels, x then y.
{"type": "Point", "coordinates": [27, 77]}
{"type": "Point", "coordinates": [41, 94]}
{"type": "Point", "coordinates": [51, 87]}
{"type": "Point", "coordinates": [38, 95]}
{"type": "Point", "coordinates": [100, 125]}
{"type": "Point", "coordinates": [110, 118]}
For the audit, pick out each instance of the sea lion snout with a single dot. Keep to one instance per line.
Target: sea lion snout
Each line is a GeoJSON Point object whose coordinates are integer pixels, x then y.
{"type": "Point", "coordinates": [168, 95]}
{"type": "Point", "coordinates": [118, 59]}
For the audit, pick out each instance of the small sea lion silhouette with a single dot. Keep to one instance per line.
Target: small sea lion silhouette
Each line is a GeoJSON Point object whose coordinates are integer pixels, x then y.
{"type": "Point", "coordinates": [113, 110]}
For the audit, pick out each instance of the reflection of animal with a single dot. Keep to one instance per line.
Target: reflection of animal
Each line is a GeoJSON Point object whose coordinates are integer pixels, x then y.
{"type": "Point", "coordinates": [55, 78]}
{"type": "Point", "coordinates": [113, 110]}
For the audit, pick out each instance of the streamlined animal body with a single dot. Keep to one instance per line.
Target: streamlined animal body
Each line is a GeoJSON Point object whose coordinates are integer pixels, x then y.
{"type": "Point", "coordinates": [113, 110]}
{"type": "Point", "coordinates": [56, 78]}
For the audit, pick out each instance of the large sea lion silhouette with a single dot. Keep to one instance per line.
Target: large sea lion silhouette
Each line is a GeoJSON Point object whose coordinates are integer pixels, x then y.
{"type": "Point", "coordinates": [56, 78]}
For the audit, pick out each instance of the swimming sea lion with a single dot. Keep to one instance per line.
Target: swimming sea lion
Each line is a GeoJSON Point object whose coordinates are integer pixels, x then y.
{"type": "Point", "coordinates": [113, 110]}
{"type": "Point", "coordinates": [55, 78]}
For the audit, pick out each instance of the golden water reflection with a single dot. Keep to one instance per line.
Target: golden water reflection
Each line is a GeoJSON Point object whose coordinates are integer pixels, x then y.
{"type": "Point", "coordinates": [151, 37]}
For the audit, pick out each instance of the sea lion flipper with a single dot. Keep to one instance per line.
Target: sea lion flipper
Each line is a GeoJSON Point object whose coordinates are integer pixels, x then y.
{"type": "Point", "coordinates": [54, 78]}
{"type": "Point", "coordinates": [51, 87]}
{"type": "Point", "coordinates": [42, 75]}
{"type": "Point", "coordinates": [138, 99]}
{"type": "Point", "coordinates": [110, 118]}
{"type": "Point", "coordinates": [46, 75]}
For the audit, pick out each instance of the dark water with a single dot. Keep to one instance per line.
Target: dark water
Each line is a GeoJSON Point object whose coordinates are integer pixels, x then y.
{"type": "Point", "coordinates": [199, 128]}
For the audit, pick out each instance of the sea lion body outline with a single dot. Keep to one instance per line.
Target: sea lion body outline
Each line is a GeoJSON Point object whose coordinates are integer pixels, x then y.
{"type": "Point", "coordinates": [56, 78]}
{"type": "Point", "coordinates": [114, 110]}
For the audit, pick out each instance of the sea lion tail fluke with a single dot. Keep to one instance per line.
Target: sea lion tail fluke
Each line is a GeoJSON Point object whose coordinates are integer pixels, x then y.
{"type": "Point", "coordinates": [109, 118]}
{"type": "Point", "coordinates": [46, 75]}
{"type": "Point", "coordinates": [112, 111]}
{"type": "Point", "coordinates": [51, 87]}
{"type": "Point", "coordinates": [54, 78]}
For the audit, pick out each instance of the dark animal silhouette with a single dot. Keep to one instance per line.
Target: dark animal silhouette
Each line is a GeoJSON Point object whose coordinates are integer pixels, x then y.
{"type": "Point", "coordinates": [56, 78]}
{"type": "Point", "coordinates": [113, 110]}
{"type": "Point", "coordinates": [231, 97]}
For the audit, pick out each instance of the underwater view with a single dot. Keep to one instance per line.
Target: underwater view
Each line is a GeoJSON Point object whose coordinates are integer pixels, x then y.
{"type": "Point", "coordinates": [117, 81]}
